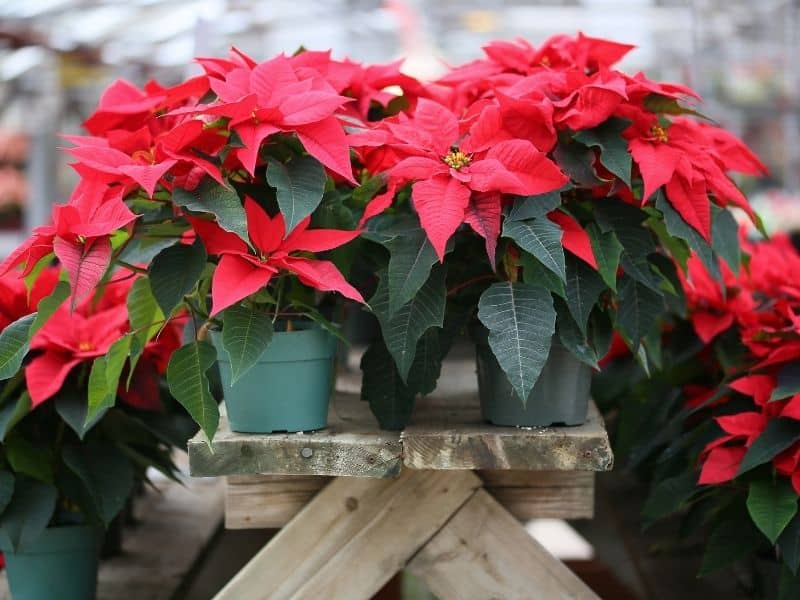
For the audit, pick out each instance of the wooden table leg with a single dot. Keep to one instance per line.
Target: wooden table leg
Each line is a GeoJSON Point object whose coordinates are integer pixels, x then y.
{"type": "Point", "coordinates": [484, 552]}
{"type": "Point", "coordinates": [356, 533]}
{"type": "Point", "coordinates": [353, 536]}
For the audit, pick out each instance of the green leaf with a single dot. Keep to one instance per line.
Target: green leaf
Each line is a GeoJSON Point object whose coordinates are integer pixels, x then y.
{"type": "Point", "coordinates": [571, 337]}
{"type": "Point", "coordinates": [670, 495]}
{"type": "Point", "coordinates": [542, 238]}
{"type": "Point", "coordinates": [145, 316]}
{"type": "Point", "coordinates": [299, 185]}
{"type": "Point", "coordinates": [679, 228]}
{"type": "Point", "coordinates": [224, 203]}
{"type": "Point", "coordinates": [521, 321]}
{"type": "Point", "coordinates": [788, 383]}
{"type": "Point", "coordinates": [73, 407]}
{"type": "Point", "coordinates": [778, 435]}
{"type": "Point", "coordinates": [613, 147]}
{"type": "Point", "coordinates": [788, 585]}
{"type": "Point", "coordinates": [667, 105]}
{"type": "Point", "coordinates": [29, 511]}
{"type": "Point", "coordinates": [534, 271]}
{"type": "Point", "coordinates": [175, 272]}
{"type": "Point", "coordinates": [390, 400]}
{"type": "Point", "coordinates": [104, 378]}
{"type": "Point", "coordinates": [639, 310]}
{"type": "Point", "coordinates": [26, 458]}
{"type": "Point", "coordinates": [427, 365]}
{"type": "Point", "coordinates": [48, 305]}
{"type": "Point", "coordinates": [725, 237]}
{"type": "Point", "coordinates": [729, 542]}
{"type": "Point", "coordinates": [6, 489]}
{"type": "Point", "coordinates": [410, 262]}
{"type": "Point", "coordinates": [143, 248]}
{"type": "Point", "coordinates": [771, 504]}
{"type": "Point", "coordinates": [577, 161]}
{"type": "Point", "coordinates": [14, 345]}
{"type": "Point", "coordinates": [403, 329]}
{"type": "Point", "coordinates": [106, 473]}
{"type": "Point", "coordinates": [188, 383]}
{"type": "Point", "coordinates": [584, 287]}
{"type": "Point", "coordinates": [789, 544]}
{"type": "Point", "coordinates": [532, 207]}
{"type": "Point", "coordinates": [12, 412]}
{"type": "Point", "coordinates": [246, 333]}
{"type": "Point", "coordinates": [607, 251]}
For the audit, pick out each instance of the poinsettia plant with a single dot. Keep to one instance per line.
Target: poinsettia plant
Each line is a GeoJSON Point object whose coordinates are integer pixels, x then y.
{"type": "Point", "coordinates": [63, 461]}
{"type": "Point", "coordinates": [227, 197]}
{"type": "Point", "coordinates": [717, 430]}
{"type": "Point", "coordinates": [548, 194]}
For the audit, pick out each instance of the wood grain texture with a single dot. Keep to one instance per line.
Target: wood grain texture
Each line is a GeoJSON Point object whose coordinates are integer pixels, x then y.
{"type": "Point", "coordinates": [352, 537]}
{"type": "Point", "coordinates": [483, 552]}
{"type": "Point", "coordinates": [268, 501]}
{"type": "Point", "coordinates": [455, 437]}
{"type": "Point", "coordinates": [271, 501]}
{"type": "Point", "coordinates": [352, 444]}
{"type": "Point", "coordinates": [542, 494]}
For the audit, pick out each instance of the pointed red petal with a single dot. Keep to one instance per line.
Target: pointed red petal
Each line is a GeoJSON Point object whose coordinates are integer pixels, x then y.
{"type": "Point", "coordinates": [85, 264]}
{"type": "Point", "coordinates": [483, 215]}
{"type": "Point", "coordinates": [320, 274]}
{"type": "Point", "coordinates": [377, 205]}
{"type": "Point", "coordinates": [317, 240]}
{"type": "Point", "coordinates": [217, 240]}
{"type": "Point", "coordinates": [721, 464]}
{"type": "Point", "coordinates": [440, 203]}
{"type": "Point", "coordinates": [692, 203]}
{"type": "Point", "coordinates": [537, 173]}
{"type": "Point", "coordinates": [236, 278]}
{"type": "Point", "coordinates": [252, 135]}
{"type": "Point", "coordinates": [267, 233]}
{"type": "Point", "coordinates": [310, 107]}
{"type": "Point", "coordinates": [657, 164]}
{"type": "Point", "coordinates": [326, 141]}
{"type": "Point", "coordinates": [45, 375]}
{"type": "Point", "coordinates": [575, 239]}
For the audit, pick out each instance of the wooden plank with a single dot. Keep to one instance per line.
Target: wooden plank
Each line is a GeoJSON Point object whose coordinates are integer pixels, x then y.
{"type": "Point", "coordinates": [455, 437]}
{"type": "Point", "coordinates": [352, 444]}
{"type": "Point", "coordinates": [483, 552]}
{"type": "Point", "coordinates": [352, 537]}
{"type": "Point", "coordinates": [543, 494]}
{"type": "Point", "coordinates": [175, 523]}
{"type": "Point", "coordinates": [267, 501]}
{"type": "Point", "coordinates": [271, 501]}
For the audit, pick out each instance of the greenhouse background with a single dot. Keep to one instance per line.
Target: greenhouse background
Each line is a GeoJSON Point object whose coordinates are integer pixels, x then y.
{"type": "Point", "coordinates": [57, 57]}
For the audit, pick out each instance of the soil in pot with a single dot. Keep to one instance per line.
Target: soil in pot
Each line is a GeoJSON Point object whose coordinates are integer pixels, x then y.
{"type": "Point", "coordinates": [61, 563]}
{"type": "Point", "coordinates": [288, 389]}
{"type": "Point", "coordinates": [560, 396]}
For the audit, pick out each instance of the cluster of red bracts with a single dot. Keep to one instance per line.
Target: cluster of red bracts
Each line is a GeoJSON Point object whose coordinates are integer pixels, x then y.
{"type": "Point", "coordinates": [761, 305]}
{"type": "Point", "coordinates": [71, 338]}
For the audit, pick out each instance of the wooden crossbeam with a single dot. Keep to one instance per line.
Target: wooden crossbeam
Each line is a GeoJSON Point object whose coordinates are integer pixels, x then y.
{"type": "Point", "coordinates": [484, 552]}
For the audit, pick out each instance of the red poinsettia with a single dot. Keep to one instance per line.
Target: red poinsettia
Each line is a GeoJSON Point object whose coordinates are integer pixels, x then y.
{"type": "Point", "coordinates": [16, 301]}
{"type": "Point", "coordinates": [79, 236]}
{"type": "Point", "coordinates": [273, 97]}
{"type": "Point", "coordinates": [243, 270]}
{"type": "Point", "coordinates": [453, 183]}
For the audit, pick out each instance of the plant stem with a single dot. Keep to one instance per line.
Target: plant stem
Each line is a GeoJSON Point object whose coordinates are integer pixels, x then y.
{"type": "Point", "coordinates": [463, 284]}
{"type": "Point", "coordinates": [131, 267]}
{"type": "Point", "coordinates": [278, 298]}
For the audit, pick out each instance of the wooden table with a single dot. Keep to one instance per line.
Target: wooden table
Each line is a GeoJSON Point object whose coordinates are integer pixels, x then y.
{"type": "Point", "coordinates": [444, 498]}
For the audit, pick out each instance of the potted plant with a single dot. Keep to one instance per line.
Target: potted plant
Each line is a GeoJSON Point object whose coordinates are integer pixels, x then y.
{"type": "Point", "coordinates": [68, 466]}
{"type": "Point", "coordinates": [544, 196]}
{"type": "Point", "coordinates": [220, 193]}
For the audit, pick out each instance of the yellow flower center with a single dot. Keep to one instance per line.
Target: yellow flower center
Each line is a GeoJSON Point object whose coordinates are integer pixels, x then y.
{"type": "Point", "coordinates": [85, 346]}
{"type": "Point", "coordinates": [456, 158]}
{"type": "Point", "coordinates": [659, 133]}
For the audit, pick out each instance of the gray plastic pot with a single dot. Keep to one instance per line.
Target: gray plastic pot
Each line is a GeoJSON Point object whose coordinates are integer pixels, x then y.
{"type": "Point", "coordinates": [560, 396]}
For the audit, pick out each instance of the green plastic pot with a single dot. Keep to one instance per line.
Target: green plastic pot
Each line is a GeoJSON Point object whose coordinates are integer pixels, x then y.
{"type": "Point", "coordinates": [559, 397]}
{"type": "Point", "coordinates": [288, 389]}
{"type": "Point", "coordinates": [61, 563]}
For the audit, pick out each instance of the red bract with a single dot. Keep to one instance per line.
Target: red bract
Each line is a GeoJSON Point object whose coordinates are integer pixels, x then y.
{"type": "Point", "coordinates": [79, 236]}
{"type": "Point", "coordinates": [243, 270]}
{"type": "Point", "coordinates": [16, 301]}
{"type": "Point", "coordinates": [446, 170]}
{"type": "Point", "coordinates": [273, 97]}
